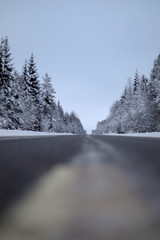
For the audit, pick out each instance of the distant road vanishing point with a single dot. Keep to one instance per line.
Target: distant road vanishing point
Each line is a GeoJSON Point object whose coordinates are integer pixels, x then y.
{"type": "Point", "coordinates": [80, 188]}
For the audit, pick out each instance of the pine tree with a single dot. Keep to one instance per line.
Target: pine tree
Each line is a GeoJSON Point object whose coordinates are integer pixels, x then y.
{"type": "Point", "coordinates": [154, 95]}
{"type": "Point", "coordinates": [67, 122]}
{"type": "Point", "coordinates": [144, 84]}
{"type": "Point", "coordinates": [33, 89]}
{"type": "Point", "coordinates": [9, 100]}
{"type": "Point", "coordinates": [27, 106]}
{"type": "Point", "coordinates": [136, 81]}
{"type": "Point", "coordinates": [2, 96]}
{"type": "Point", "coordinates": [33, 79]}
{"type": "Point", "coordinates": [60, 123]}
{"type": "Point", "coordinates": [1, 62]}
{"type": "Point", "coordinates": [25, 79]}
{"type": "Point", "coordinates": [48, 105]}
{"type": "Point", "coordinates": [76, 125]}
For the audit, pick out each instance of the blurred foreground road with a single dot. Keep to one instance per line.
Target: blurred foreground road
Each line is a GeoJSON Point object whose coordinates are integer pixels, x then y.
{"type": "Point", "coordinates": [80, 188]}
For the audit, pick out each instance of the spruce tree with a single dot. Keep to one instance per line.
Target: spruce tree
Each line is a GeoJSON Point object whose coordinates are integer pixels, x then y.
{"type": "Point", "coordinates": [154, 95]}
{"type": "Point", "coordinates": [9, 100]}
{"type": "Point", "coordinates": [136, 81]}
{"type": "Point", "coordinates": [28, 116]}
{"type": "Point", "coordinates": [48, 105]}
{"type": "Point", "coordinates": [33, 89]}
{"type": "Point", "coordinates": [67, 122]}
{"type": "Point", "coordinates": [60, 123]}
{"type": "Point", "coordinates": [76, 125]}
{"type": "Point", "coordinates": [2, 96]}
{"type": "Point", "coordinates": [1, 62]}
{"type": "Point", "coordinates": [33, 81]}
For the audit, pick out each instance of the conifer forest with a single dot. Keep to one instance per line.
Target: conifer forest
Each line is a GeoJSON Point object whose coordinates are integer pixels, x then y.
{"type": "Point", "coordinates": [28, 103]}
{"type": "Point", "coordinates": [138, 109]}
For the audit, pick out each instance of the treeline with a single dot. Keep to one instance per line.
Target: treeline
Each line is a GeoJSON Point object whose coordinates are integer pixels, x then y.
{"type": "Point", "coordinates": [138, 109]}
{"type": "Point", "coordinates": [28, 104]}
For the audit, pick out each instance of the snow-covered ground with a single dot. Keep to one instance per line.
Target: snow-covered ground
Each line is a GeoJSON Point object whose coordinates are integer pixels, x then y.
{"type": "Point", "coordinates": [151, 134]}
{"type": "Point", "coordinates": [10, 133]}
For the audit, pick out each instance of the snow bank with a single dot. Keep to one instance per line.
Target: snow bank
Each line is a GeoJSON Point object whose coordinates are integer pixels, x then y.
{"type": "Point", "coordinates": [150, 134]}
{"type": "Point", "coordinates": [12, 133]}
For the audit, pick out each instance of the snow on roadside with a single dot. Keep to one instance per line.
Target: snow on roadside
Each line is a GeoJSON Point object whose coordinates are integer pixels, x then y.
{"type": "Point", "coordinates": [18, 133]}
{"type": "Point", "coordinates": [147, 134]}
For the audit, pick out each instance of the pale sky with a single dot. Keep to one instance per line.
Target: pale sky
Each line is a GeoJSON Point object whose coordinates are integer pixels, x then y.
{"type": "Point", "coordinates": [88, 47]}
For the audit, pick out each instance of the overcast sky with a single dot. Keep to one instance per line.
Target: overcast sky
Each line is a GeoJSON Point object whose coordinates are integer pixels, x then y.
{"type": "Point", "coordinates": [89, 47]}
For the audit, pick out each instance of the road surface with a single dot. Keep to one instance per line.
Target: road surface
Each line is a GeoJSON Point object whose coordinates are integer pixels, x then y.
{"type": "Point", "coordinates": [80, 188]}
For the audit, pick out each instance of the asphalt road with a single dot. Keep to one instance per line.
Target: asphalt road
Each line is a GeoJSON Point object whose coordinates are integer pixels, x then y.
{"type": "Point", "coordinates": [24, 160]}
{"type": "Point", "coordinates": [80, 188]}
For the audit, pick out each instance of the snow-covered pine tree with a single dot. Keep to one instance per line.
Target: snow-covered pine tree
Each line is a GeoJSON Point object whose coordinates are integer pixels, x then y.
{"type": "Point", "coordinates": [27, 115]}
{"type": "Point", "coordinates": [67, 122]}
{"type": "Point", "coordinates": [3, 115]}
{"type": "Point", "coordinates": [128, 111]}
{"type": "Point", "coordinates": [9, 100]}
{"type": "Point", "coordinates": [144, 106]}
{"type": "Point", "coordinates": [19, 96]}
{"type": "Point", "coordinates": [48, 106]}
{"type": "Point", "coordinates": [136, 82]}
{"type": "Point", "coordinates": [24, 80]}
{"type": "Point", "coordinates": [60, 123]}
{"type": "Point", "coordinates": [154, 95]}
{"type": "Point", "coordinates": [33, 91]}
{"type": "Point", "coordinates": [1, 62]}
{"type": "Point", "coordinates": [144, 84]}
{"type": "Point", "coordinates": [76, 125]}
{"type": "Point", "coordinates": [137, 106]}
{"type": "Point", "coordinates": [141, 107]}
